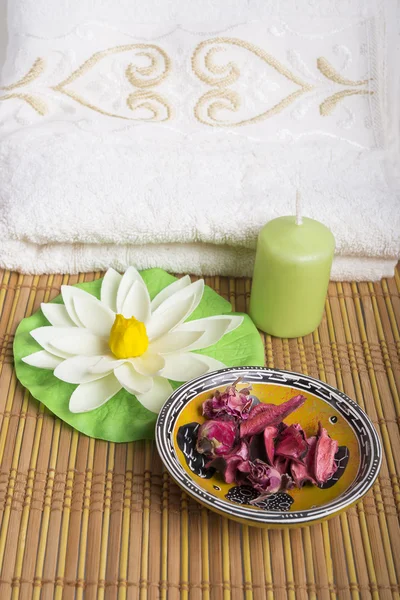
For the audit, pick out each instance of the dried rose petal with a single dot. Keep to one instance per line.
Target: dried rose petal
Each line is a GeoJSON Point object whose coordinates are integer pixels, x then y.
{"type": "Point", "coordinates": [242, 450]}
{"type": "Point", "coordinates": [269, 455]}
{"type": "Point", "coordinates": [292, 443]}
{"type": "Point", "coordinates": [257, 447]}
{"type": "Point", "coordinates": [229, 464]}
{"type": "Point", "coordinates": [324, 460]}
{"type": "Point", "coordinates": [215, 407]}
{"type": "Point", "coordinates": [263, 415]}
{"type": "Point", "coordinates": [270, 433]}
{"type": "Point", "coordinates": [287, 482]}
{"type": "Point", "coordinates": [264, 478]}
{"type": "Point", "coordinates": [216, 438]}
{"type": "Point", "coordinates": [305, 472]}
{"type": "Point", "coordinates": [229, 467]}
{"type": "Point", "coordinates": [281, 464]}
{"type": "Point", "coordinates": [231, 403]}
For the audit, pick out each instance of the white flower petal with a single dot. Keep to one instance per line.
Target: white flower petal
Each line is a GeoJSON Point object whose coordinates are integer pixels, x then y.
{"type": "Point", "coordinates": [175, 341]}
{"type": "Point", "coordinates": [76, 342]}
{"type": "Point", "coordinates": [130, 276]}
{"type": "Point", "coordinates": [155, 398]}
{"type": "Point", "coordinates": [213, 328]}
{"type": "Point", "coordinates": [44, 336]}
{"type": "Point", "coordinates": [194, 291]}
{"type": "Point", "coordinates": [105, 364]}
{"type": "Point", "coordinates": [94, 394]}
{"type": "Point", "coordinates": [78, 369]}
{"type": "Point", "coordinates": [43, 360]}
{"type": "Point", "coordinates": [182, 367]}
{"type": "Point", "coordinates": [169, 291]}
{"type": "Point", "coordinates": [109, 289]}
{"type": "Point", "coordinates": [68, 293]}
{"type": "Point", "coordinates": [148, 363]}
{"type": "Point", "coordinates": [94, 315]}
{"type": "Point", "coordinates": [132, 381]}
{"type": "Point", "coordinates": [57, 314]}
{"type": "Point", "coordinates": [137, 303]}
{"type": "Point", "coordinates": [236, 322]}
{"type": "Point", "coordinates": [162, 322]}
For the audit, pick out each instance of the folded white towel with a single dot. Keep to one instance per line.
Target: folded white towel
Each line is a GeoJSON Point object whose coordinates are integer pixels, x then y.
{"type": "Point", "coordinates": [125, 136]}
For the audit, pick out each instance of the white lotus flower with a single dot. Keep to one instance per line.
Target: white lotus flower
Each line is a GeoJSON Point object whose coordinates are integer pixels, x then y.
{"type": "Point", "coordinates": [127, 341]}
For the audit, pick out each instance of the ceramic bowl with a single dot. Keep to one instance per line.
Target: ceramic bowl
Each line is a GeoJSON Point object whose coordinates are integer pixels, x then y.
{"type": "Point", "coordinates": [359, 456]}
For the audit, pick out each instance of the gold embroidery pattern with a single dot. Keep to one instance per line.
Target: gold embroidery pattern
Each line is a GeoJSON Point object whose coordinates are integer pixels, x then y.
{"type": "Point", "coordinates": [221, 76]}
{"type": "Point", "coordinates": [36, 103]}
{"type": "Point", "coordinates": [330, 73]}
{"type": "Point", "coordinates": [232, 71]}
{"type": "Point", "coordinates": [329, 104]}
{"type": "Point", "coordinates": [151, 102]}
{"type": "Point", "coordinates": [34, 72]}
{"type": "Point", "coordinates": [215, 101]}
{"type": "Point", "coordinates": [208, 109]}
{"type": "Point", "coordinates": [141, 77]}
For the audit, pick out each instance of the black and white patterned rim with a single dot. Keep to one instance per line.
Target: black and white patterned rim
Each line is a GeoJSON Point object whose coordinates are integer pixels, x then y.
{"type": "Point", "coordinates": [370, 446]}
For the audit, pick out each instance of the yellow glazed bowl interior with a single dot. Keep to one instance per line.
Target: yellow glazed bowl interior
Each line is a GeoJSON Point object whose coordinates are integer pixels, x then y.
{"type": "Point", "coordinates": [359, 455]}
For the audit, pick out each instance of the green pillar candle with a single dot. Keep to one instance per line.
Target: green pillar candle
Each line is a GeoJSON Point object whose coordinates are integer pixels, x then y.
{"type": "Point", "coordinates": [291, 275]}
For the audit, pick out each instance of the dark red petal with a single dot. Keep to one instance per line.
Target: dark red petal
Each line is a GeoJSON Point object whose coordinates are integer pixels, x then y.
{"type": "Point", "coordinates": [287, 482]}
{"type": "Point", "coordinates": [227, 467]}
{"type": "Point", "coordinates": [263, 415]}
{"type": "Point", "coordinates": [257, 447]}
{"type": "Point", "coordinates": [231, 468]}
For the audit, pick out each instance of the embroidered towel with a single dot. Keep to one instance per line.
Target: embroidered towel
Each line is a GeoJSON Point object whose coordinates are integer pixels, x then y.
{"type": "Point", "coordinates": [127, 130]}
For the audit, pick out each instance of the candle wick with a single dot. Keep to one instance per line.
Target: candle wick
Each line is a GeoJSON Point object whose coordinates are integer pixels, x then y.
{"type": "Point", "coordinates": [299, 218]}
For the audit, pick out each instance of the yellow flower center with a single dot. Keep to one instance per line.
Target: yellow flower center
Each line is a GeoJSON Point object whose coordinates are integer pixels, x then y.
{"type": "Point", "coordinates": [128, 337]}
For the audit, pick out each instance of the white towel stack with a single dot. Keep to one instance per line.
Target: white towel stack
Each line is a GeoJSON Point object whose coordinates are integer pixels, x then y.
{"type": "Point", "coordinates": [167, 134]}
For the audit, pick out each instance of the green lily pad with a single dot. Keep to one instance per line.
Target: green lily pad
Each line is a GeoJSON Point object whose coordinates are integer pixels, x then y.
{"type": "Point", "coordinates": [123, 418]}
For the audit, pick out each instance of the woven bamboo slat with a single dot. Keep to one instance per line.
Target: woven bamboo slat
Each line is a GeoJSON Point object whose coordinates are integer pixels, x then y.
{"type": "Point", "coordinates": [82, 518]}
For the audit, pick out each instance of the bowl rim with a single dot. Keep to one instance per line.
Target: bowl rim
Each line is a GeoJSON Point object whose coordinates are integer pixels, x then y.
{"type": "Point", "coordinates": [367, 436]}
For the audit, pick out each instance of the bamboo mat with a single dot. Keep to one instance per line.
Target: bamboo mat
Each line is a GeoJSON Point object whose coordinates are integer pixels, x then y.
{"type": "Point", "coordinates": [88, 519]}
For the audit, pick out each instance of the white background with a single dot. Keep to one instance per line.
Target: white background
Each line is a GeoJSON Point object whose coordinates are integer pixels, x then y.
{"type": "Point", "coordinates": [3, 30]}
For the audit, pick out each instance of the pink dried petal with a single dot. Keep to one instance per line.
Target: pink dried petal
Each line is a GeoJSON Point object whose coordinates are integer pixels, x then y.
{"type": "Point", "coordinates": [239, 405]}
{"type": "Point", "coordinates": [233, 391]}
{"type": "Point", "coordinates": [263, 415]}
{"type": "Point", "coordinates": [281, 464]}
{"type": "Point", "coordinates": [214, 407]}
{"type": "Point", "coordinates": [263, 478]}
{"type": "Point", "coordinates": [242, 450]}
{"type": "Point", "coordinates": [292, 443]}
{"type": "Point", "coordinates": [229, 464]}
{"type": "Point", "coordinates": [324, 461]}
{"type": "Point", "coordinates": [216, 438]}
{"type": "Point", "coordinates": [270, 434]}
{"type": "Point", "coordinates": [302, 473]}
{"type": "Point", "coordinates": [232, 403]}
